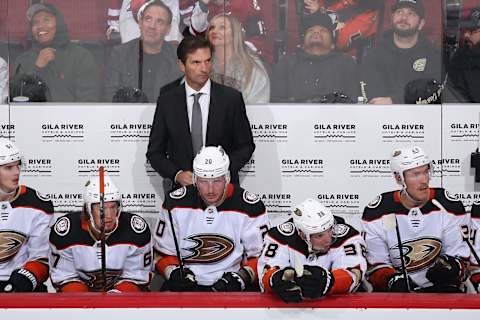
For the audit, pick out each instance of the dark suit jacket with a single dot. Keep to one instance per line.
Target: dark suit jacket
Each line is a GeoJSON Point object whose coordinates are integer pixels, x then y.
{"type": "Point", "coordinates": [170, 146]}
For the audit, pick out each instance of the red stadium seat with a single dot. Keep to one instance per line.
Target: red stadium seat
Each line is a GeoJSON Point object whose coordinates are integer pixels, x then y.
{"type": "Point", "coordinates": [13, 20]}
{"type": "Point", "coordinates": [86, 19]}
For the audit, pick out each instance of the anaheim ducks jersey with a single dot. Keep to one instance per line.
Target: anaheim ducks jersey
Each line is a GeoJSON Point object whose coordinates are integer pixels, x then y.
{"type": "Point", "coordinates": [425, 233]}
{"type": "Point", "coordinates": [212, 240]}
{"type": "Point", "coordinates": [284, 248]}
{"type": "Point", "coordinates": [474, 232]}
{"type": "Point", "coordinates": [76, 255]}
{"type": "Point", "coordinates": [24, 231]}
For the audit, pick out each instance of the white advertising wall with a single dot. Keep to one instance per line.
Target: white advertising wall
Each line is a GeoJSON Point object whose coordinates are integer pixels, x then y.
{"type": "Point", "coordinates": [337, 154]}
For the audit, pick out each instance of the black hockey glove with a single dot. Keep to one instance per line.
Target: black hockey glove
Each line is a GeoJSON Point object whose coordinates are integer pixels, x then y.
{"type": "Point", "coordinates": [397, 283]}
{"type": "Point", "coordinates": [283, 284]}
{"type": "Point", "coordinates": [315, 282]}
{"type": "Point", "coordinates": [178, 283]}
{"type": "Point", "coordinates": [21, 280]}
{"type": "Point", "coordinates": [233, 281]}
{"type": "Point", "coordinates": [446, 270]}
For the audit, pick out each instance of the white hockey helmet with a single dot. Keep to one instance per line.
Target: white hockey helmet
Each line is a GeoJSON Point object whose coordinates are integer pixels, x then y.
{"type": "Point", "coordinates": [91, 195]}
{"type": "Point", "coordinates": [311, 217]}
{"type": "Point", "coordinates": [211, 162]}
{"type": "Point", "coordinates": [8, 152]}
{"type": "Point", "coordinates": [403, 159]}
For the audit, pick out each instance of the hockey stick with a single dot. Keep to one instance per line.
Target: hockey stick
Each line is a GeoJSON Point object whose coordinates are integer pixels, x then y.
{"type": "Point", "coordinates": [389, 222]}
{"type": "Point", "coordinates": [101, 174]}
{"type": "Point", "coordinates": [177, 247]}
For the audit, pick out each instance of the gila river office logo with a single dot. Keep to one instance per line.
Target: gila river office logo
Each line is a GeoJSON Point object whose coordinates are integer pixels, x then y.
{"type": "Point", "coordinates": [341, 203]}
{"type": "Point", "coordinates": [369, 168]}
{"type": "Point", "coordinates": [463, 131]}
{"type": "Point", "coordinates": [130, 132]}
{"type": "Point", "coordinates": [62, 132]}
{"type": "Point", "coordinates": [302, 167]}
{"type": "Point", "coordinates": [37, 167]}
{"type": "Point", "coordinates": [140, 203]}
{"type": "Point", "coordinates": [248, 170]}
{"type": "Point", "coordinates": [396, 132]}
{"type": "Point", "coordinates": [269, 132]}
{"type": "Point", "coordinates": [66, 202]}
{"type": "Point", "coordinates": [279, 203]}
{"type": "Point", "coordinates": [88, 167]}
{"type": "Point", "coordinates": [334, 132]}
{"type": "Point", "coordinates": [7, 131]}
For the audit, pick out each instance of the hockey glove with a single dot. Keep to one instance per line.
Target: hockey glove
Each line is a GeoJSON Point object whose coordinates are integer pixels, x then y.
{"type": "Point", "coordinates": [282, 283]}
{"type": "Point", "coordinates": [446, 270]}
{"type": "Point", "coordinates": [230, 281]}
{"type": "Point", "coordinates": [397, 283]}
{"type": "Point", "coordinates": [21, 280]}
{"type": "Point", "coordinates": [178, 283]}
{"type": "Point", "coordinates": [315, 282]}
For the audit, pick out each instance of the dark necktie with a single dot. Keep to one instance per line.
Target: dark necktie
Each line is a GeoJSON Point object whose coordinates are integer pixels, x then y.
{"type": "Point", "coordinates": [196, 128]}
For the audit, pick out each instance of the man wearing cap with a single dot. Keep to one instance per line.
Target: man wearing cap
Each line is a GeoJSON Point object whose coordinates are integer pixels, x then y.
{"type": "Point", "coordinates": [464, 69]}
{"type": "Point", "coordinates": [318, 69]}
{"type": "Point", "coordinates": [402, 55]}
{"type": "Point", "coordinates": [146, 63]}
{"type": "Point", "coordinates": [68, 70]}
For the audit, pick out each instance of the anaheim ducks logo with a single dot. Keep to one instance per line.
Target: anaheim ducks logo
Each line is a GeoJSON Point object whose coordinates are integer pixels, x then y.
{"type": "Point", "coordinates": [419, 253]}
{"type": "Point", "coordinates": [10, 244]}
{"type": "Point", "coordinates": [209, 248]}
{"type": "Point", "coordinates": [94, 279]}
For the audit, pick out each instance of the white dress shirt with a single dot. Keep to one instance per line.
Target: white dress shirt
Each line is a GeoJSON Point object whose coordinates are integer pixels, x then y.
{"type": "Point", "coordinates": [204, 102]}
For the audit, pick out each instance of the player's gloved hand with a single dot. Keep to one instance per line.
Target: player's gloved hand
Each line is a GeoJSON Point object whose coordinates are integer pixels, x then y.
{"type": "Point", "coordinates": [397, 283]}
{"type": "Point", "coordinates": [446, 270]}
{"type": "Point", "coordinates": [178, 283]}
{"type": "Point", "coordinates": [230, 281]}
{"type": "Point", "coordinates": [283, 283]}
{"type": "Point", "coordinates": [21, 280]}
{"type": "Point", "coordinates": [315, 282]}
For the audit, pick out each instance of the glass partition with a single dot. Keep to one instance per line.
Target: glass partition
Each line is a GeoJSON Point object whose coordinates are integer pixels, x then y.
{"type": "Point", "coordinates": [299, 51]}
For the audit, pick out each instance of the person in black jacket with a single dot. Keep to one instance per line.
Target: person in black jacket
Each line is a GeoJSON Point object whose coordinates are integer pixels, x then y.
{"type": "Point", "coordinates": [403, 54]}
{"type": "Point", "coordinates": [464, 69]}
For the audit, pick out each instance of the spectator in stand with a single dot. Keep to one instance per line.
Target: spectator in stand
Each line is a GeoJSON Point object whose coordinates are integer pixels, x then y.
{"type": "Point", "coordinates": [464, 69]}
{"type": "Point", "coordinates": [157, 63]}
{"type": "Point", "coordinates": [404, 54]}
{"type": "Point", "coordinates": [234, 63]}
{"type": "Point", "coordinates": [357, 20]}
{"type": "Point", "coordinates": [250, 13]}
{"type": "Point", "coordinates": [123, 18]}
{"type": "Point", "coordinates": [67, 69]}
{"type": "Point", "coordinates": [316, 71]}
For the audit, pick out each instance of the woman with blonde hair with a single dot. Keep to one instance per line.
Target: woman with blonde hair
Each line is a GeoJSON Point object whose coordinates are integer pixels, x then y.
{"type": "Point", "coordinates": [234, 62]}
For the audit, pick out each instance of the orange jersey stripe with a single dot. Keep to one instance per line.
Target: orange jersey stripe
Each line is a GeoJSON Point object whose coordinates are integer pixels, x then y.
{"type": "Point", "coordinates": [164, 262]}
{"type": "Point", "coordinates": [266, 279]}
{"type": "Point", "coordinates": [379, 278]}
{"type": "Point", "coordinates": [74, 286]}
{"type": "Point", "coordinates": [39, 270]}
{"type": "Point", "coordinates": [343, 282]}
{"type": "Point", "coordinates": [252, 264]}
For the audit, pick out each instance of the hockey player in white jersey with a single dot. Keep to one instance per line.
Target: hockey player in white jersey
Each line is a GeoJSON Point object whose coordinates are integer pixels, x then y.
{"type": "Point", "coordinates": [75, 259]}
{"type": "Point", "coordinates": [218, 227]}
{"type": "Point", "coordinates": [473, 234]}
{"type": "Point", "coordinates": [413, 235]}
{"type": "Point", "coordinates": [312, 255]}
{"type": "Point", "coordinates": [24, 218]}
